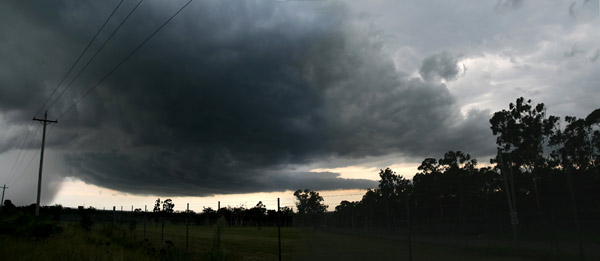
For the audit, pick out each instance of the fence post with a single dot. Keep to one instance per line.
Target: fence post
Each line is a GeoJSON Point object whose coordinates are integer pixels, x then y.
{"type": "Point", "coordinates": [187, 226]}
{"type": "Point", "coordinates": [279, 228]}
{"type": "Point", "coordinates": [114, 216]}
{"type": "Point", "coordinates": [408, 232]}
{"type": "Point", "coordinates": [218, 229]}
{"type": "Point", "coordinates": [145, 210]}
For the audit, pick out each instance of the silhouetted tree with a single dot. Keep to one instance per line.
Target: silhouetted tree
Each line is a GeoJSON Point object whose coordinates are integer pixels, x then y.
{"type": "Point", "coordinates": [310, 206]}
{"type": "Point", "coordinates": [346, 213]}
{"type": "Point", "coordinates": [430, 188]}
{"type": "Point", "coordinates": [237, 216]}
{"type": "Point", "coordinates": [369, 203]}
{"type": "Point", "coordinates": [593, 120]}
{"type": "Point", "coordinates": [8, 206]}
{"type": "Point", "coordinates": [208, 216]}
{"type": "Point", "coordinates": [167, 206]}
{"type": "Point", "coordinates": [392, 188]}
{"type": "Point", "coordinates": [458, 168]}
{"type": "Point", "coordinates": [156, 211]}
{"type": "Point", "coordinates": [522, 133]}
{"type": "Point", "coordinates": [577, 153]}
{"type": "Point", "coordinates": [286, 215]}
{"type": "Point", "coordinates": [257, 214]}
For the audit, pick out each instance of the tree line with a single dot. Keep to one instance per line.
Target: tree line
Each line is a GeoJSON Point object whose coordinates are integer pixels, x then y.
{"type": "Point", "coordinates": [240, 216]}
{"type": "Point", "coordinates": [541, 166]}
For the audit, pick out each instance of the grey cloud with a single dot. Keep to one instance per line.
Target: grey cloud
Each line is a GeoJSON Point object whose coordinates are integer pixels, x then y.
{"type": "Point", "coordinates": [572, 9]}
{"type": "Point", "coordinates": [595, 56]}
{"type": "Point", "coordinates": [441, 65]}
{"type": "Point", "coordinates": [505, 5]}
{"type": "Point", "coordinates": [233, 93]}
{"type": "Point", "coordinates": [586, 10]}
{"type": "Point", "coordinates": [573, 51]}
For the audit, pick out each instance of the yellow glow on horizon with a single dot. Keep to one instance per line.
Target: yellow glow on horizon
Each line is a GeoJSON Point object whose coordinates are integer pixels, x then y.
{"type": "Point", "coordinates": [74, 193]}
{"type": "Point", "coordinates": [372, 173]}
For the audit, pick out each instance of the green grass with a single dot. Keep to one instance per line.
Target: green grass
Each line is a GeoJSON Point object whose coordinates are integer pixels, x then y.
{"type": "Point", "coordinates": [305, 244]}
{"type": "Point", "coordinates": [331, 246]}
{"type": "Point", "coordinates": [248, 243]}
{"type": "Point", "coordinates": [105, 242]}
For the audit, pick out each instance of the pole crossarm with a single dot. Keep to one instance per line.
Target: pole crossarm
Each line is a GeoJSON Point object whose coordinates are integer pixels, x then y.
{"type": "Point", "coordinates": [44, 121]}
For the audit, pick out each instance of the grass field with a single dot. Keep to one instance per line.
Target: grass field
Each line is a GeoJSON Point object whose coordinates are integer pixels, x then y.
{"type": "Point", "coordinates": [105, 242]}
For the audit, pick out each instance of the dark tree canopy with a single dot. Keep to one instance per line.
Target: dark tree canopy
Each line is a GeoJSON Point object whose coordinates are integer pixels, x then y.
{"type": "Point", "coordinates": [309, 202]}
{"type": "Point", "coordinates": [523, 131]}
{"type": "Point", "coordinates": [168, 206]}
{"type": "Point", "coordinates": [156, 205]}
{"type": "Point", "coordinates": [310, 206]}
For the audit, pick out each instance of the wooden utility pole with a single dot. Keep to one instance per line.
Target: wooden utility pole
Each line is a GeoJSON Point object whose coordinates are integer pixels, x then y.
{"type": "Point", "coordinates": [45, 122]}
{"type": "Point", "coordinates": [2, 202]}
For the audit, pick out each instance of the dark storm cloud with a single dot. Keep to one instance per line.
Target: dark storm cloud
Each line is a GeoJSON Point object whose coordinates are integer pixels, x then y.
{"type": "Point", "coordinates": [161, 174]}
{"type": "Point", "coordinates": [233, 93]}
{"type": "Point", "coordinates": [441, 65]}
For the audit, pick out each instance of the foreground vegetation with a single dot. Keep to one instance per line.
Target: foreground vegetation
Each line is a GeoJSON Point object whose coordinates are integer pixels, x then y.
{"type": "Point", "coordinates": [45, 239]}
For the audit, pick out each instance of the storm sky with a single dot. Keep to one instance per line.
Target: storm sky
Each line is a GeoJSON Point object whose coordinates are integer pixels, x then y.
{"type": "Point", "coordinates": [241, 96]}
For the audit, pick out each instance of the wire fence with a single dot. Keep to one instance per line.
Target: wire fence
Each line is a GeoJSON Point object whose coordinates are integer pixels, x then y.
{"type": "Point", "coordinates": [552, 232]}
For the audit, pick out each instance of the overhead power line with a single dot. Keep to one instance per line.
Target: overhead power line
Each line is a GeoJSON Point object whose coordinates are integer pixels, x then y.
{"type": "Point", "coordinates": [79, 58]}
{"type": "Point", "coordinates": [125, 59]}
{"type": "Point", "coordinates": [31, 160]}
{"type": "Point", "coordinates": [10, 174]}
{"type": "Point", "coordinates": [25, 169]}
{"type": "Point", "coordinates": [95, 85]}
{"type": "Point", "coordinates": [95, 54]}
